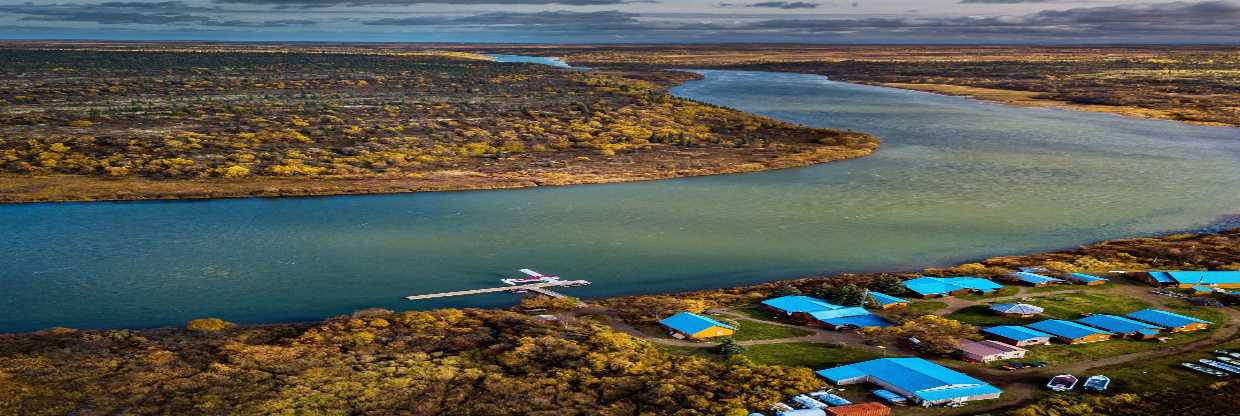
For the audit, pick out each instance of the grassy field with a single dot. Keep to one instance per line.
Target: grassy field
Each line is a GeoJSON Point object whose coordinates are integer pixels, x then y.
{"type": "Point", "coordinates": [981, 315]}
{"type": "Point", "coordinates": [757, 312]}
{"type": "Point", "coordinates": [1153, 375]}
{"type": "Point", "coordinates": [750, 330]}
{"type": "Point", "coordinates": [1056, 288]}
{"type": "Point", "coordinates": [1008, 290]}
{"type": "Point", "coordinates": [1071, 306]}
{"type": "Point", "coordinates": [924, 307]}
{"type": "Point", "coordinates": [815, 356]}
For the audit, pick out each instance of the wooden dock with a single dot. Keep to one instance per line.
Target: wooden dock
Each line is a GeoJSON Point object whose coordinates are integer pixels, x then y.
{"type": "Point", "coordinates": [533, 287]}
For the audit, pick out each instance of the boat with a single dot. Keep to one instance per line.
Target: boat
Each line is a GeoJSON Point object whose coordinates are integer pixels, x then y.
{"type": "Point", "coordinates": [1203, 369]}
{"type": "Point", "coordinates": [1097, 383]}
{"type": "Point", "coordinates": [1220, 365]}
{"type": "Point", "coordinates": [1062, 382]}
{"type": "Point", "coordinates": [829, 398]}
{"type": "Point", "coordinates": [807, 402]}
{"type": "Point", "coordinates": [1228, 360]}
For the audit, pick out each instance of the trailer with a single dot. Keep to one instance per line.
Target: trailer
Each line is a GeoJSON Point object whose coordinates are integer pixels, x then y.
{"type": "Point", "coordinates": [808, 402]}
{"type": "Point", "coordinates": [829, 398]}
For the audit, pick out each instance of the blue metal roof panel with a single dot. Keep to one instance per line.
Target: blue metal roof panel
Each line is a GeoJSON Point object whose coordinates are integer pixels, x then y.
{"type": "Point", "coordinates": [1082, 277]}
{"type": "Point", "coordinates": [1161, 277]}
{"type": "Point", "coordinates": [1164, 318]}
{"type": "Point", "coordinates": [929, 286]}
{"type": "Point", "coordinates": [1016, 308]}
{"type": "Point", "coordinates": [1014, 332]}
{"type": "Point", "coordinates": [798, 303]}
{"type": "Point", "coordinates": [957, 392]}
{"type": "Point", "coordinates": [976, 283]}
{"type": "Point", "coordinates": [1066, 329]}
{"type": "Point", "coordinates": [1116, 323]}
{"type": "Point", "coordinates": [845, 372]}
{"type": "Point", "coordinates": [1035, 278]}
{"type": "Point", "coordinates": [887, 395]}
{"type": "Point", "coordinates": [839, 313]}
{"type": "Point", "coordinates": [691, 323]}
{"type": "Point", "coordinates": [884, 299]}
{"type": "Point", "coordinates": [1206, 277]}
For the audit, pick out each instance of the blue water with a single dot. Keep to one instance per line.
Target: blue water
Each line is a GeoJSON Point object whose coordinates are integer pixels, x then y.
{"type": "Point", "coordinates": [956, 179]}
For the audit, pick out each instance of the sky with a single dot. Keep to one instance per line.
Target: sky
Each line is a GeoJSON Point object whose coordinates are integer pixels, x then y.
{"type": "Point", "coordinates": [629, 21]}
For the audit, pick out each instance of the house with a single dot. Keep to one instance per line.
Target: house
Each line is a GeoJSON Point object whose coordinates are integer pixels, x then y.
{"type": "Point", "coordinates": [1069, 332]}
{"type": "Point", "coordinates": [1173, 322]}
{"type": "Point", "coordinates": [848, 317]}
{"type": "Point", "coordinates": [933, 287]}
{"type": "Point", "coordinates": [1021, 310]}
{"type": "Point", "coordinates": [1085, 279]}
{"type": "Point", "coordinates": [860, 409]}
{"type": "Point", "coordinates": [1017, 335]}
{"type": "Point", "coordinates": [987, 351]}
{"type": "Point", "coordinates": [1200, 290]}
{"type": "Point", "coordinates": [694, 326]}
{"type": "Point", "coordinates": [1223, 279]}
{"type": "Point", "coordinates": [1121, 325]}
{"type": "Point", "coordinates": [883, 301]}
{"type": "Point", "coordinates": [917, 379]}
{"type": "Point", "coordinates": [1036, 280]}
{"type": "Point", "coordinates": [798, 306]}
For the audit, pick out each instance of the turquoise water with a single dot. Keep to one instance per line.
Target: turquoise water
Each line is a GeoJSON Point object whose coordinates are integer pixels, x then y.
{"type": "Point", "coordinates": [542, 60]}
{"type": "Point", "coordinates": [955, 180]}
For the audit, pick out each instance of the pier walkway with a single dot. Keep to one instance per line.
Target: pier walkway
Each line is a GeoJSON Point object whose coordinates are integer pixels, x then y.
{"type": "Point", "coordinates": [533, 287]}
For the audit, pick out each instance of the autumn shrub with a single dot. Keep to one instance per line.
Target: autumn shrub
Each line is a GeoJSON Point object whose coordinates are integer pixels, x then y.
{"type": "Point", "coordinates": [208, 325]}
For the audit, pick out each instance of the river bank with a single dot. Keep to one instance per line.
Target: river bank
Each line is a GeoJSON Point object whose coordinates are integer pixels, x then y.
{"type": "Point", "coordinates": [345, 121]}
{"type": "Point", "coordinates": [459, 359]}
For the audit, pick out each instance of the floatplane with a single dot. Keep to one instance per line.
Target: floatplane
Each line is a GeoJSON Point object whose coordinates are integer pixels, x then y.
{"type": "Point", "coordinates": [535, 281]}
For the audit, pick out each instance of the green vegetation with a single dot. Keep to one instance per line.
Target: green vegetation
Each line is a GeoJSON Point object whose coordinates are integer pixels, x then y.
{"type": "Point", "coordinates": [980, 315]}
{"type": "Point", "coordinates": [747, 330]}
{"type": "Point", "coordinates": [918, 308]}
{"type": "Point", "coordinates": [1071, 306]}
{"type": "Point", "coordinates": [420, 363]}
{"type": "Point", "coordinates": [809, 355]}
{"type": "Point", "coordinates": [208, 325]}
{"type": "Point", "coordinates": [1006, 290]}
{"type": "Point", "coordinates": [229, 123]}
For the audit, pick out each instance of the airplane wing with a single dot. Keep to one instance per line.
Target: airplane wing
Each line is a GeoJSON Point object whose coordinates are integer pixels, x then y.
{"type": "Point", "coordinates": [531, 273]}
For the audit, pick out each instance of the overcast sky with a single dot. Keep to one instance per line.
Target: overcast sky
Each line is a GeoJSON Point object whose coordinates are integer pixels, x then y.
{"type": "Point", "coordinates": [627, 21]}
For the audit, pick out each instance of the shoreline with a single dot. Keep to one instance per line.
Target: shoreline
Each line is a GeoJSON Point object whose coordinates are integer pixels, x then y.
{"type": "Point", "coordinates": [1044, 255]}
{"type": "Point", "coordinates": [1031, 99]}
{"type": "Point", "coordinates": [276, 187]}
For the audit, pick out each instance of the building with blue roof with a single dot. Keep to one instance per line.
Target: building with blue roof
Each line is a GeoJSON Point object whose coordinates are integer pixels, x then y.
{"type": "Point", "coordinates": [848, 317]}
{"type": "Point", "coordinates": [1085, 279]}
{"type": "Point", "coordinates": [919, 380]}
{"type": "Point", "coordinates": [884, 301]}
{"type": "Point", "coordinates": [1022, 310]}
{"type": "Point", "coordinates": [1185, 279]}
{"type": "Point", "coordinates": [1070, 332]}
{"type": "Point", "coordinates": [931, 287]}
{"type": "Point", "coordinates": [693, 326]}
{"type": "Point", "coordinates": [1121, 325]}
{"type": "Point", "coordinates": [1172, 322]}
{"type": "Point", "coordinates": [1034, 279]}
{"type": "Point", "coordinates": [794, 304]}
{"type": "Point", "coordinates": [1017, 335]}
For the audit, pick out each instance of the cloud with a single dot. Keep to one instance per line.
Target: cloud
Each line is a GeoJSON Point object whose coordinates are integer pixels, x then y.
{"type": "Point", "coordinates": [355, 3]}
{"type": "Point", "coordinates": [1005, 1]}
{"type": "Point", "coordinates": [604, 20]}
{"type": "Point", "coordinates": [787, 5]}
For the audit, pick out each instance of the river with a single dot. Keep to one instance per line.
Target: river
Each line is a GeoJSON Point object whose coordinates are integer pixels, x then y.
{"type": "Point", "coordinates": [956, 179]}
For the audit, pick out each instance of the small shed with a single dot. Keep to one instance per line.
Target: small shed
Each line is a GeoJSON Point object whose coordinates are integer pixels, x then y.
{"type": "Point", "coordinates": [987, 351]}
{"type": "Point", "coordinates": [1021, 310]}
{"type": "Point", "coordinates": [693, 326]}
{"type": "Point", "coordinates": [1173, 322]}
{"type": "Point", "coordinates": [1085, 279]}
{"type": "Point", "coordinates": [1017, 335]}
{"type": "Point", "coordinates": [1070, 332]}
{"type": "Point", "coordinates": [1200, 290]}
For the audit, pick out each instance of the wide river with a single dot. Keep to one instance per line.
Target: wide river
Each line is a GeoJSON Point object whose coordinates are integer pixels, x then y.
{"type": "Point", "coordinates": [955, 180]}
